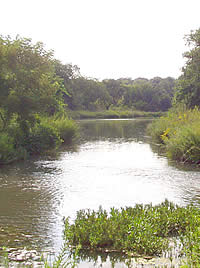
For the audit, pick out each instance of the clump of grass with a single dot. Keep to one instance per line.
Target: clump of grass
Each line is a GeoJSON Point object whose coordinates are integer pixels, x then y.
{"type": "Point", "coordinates": [143, 229]}
{"type": "Point", "coordinates": [67, 129]}
{"type": "Point", "coordinates": [179, 132]}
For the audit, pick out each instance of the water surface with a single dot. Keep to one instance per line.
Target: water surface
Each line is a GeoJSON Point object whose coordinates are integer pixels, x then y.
{"type": "Point", "coordinates": [114, 165]}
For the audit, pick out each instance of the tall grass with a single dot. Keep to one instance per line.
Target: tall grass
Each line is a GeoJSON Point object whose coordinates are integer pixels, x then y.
{"type": "Point", "coordinates": [179, 132]}
{"type": "Point", "coordinates": [67, 129]}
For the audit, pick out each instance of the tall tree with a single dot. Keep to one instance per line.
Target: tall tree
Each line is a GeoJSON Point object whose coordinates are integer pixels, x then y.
{"type": "Point", "coordinates": [188, 86]}
{"type": "Point", "coordinates": [28, 83]}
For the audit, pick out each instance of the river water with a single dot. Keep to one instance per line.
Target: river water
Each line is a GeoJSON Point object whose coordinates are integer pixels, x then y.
{"type": "Point", "coordinates": [114, 164]}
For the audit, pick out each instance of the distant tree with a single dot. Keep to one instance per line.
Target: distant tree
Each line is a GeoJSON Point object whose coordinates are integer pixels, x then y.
{"type": "Point", "coordinates": [115, 89]}
{"type": "Point", "coordinates": [89, 94]}
{"type": "Point", "coordinates": [68, 73]}
{"type": "Point", "coordinates": [188, 85]}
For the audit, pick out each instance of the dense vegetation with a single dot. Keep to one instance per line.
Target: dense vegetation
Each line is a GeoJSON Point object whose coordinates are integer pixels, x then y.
{"type": "Point", "coordinates": [188, 86]}
{"type": "Point", "coordinates": [142, 230]}
{"type": "Point", "coordinates": [30, 91]}
{"type": "Point", "coordinates": [179, 131]}
{"type": "Point", "coordinates": [90, 94]}
{"type": "Point", "coordinates": [38, 93]}
{"type": "Point", "coordinates": [126, 94]}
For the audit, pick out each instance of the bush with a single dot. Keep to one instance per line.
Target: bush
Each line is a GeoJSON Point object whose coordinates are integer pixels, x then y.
{"type": "Point", "coordinates": [184, 145]}
{"type": "Point", "coordinates": [7, 150]}
{"type": "Point", "coordinates": [179, 131]}
{"type": "Point", "coordinates": [67, 128]}
{"type": "Point", "coordinates": [42, 138]}
{"type": "Point", "coordinates": [43, 135]}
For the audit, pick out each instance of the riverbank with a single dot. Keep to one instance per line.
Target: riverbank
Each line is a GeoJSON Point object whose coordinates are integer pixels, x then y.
{"type": "Point", "coordinates": [112, 114]}
{"type": "Point", "coordinates": [179, 133]}
{"type": "Point", "coordinates": [19, 141]}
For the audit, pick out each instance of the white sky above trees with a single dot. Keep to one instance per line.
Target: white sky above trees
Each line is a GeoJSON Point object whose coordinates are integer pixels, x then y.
{"type": "Point", "coordinates": [107, 38]}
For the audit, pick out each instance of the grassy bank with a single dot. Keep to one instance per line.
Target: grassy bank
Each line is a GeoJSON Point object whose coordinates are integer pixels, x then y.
{"type": "Point", "coordinates": [19, 141]}
{"type": "Point", "coordinates": [112, 114]}
{"type": "Point", "coordinates": [179, 132]}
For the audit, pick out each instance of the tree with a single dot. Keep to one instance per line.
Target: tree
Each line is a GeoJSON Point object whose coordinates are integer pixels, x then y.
{"type": "Point", "coordinates": [188, 86]}
{"type": "Point", "coordinates": [68, 73]}
{"type": "Point", "coordinates": [28, 83]}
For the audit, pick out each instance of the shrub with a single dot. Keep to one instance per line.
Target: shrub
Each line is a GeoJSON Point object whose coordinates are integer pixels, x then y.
{"type": "Point", "coordinates": [179, 131]}
{"type": "Point", "coordinates": [66, 128]}
{"type": "Point", "coordinates": [42, 138]}
{"type": "Point", "coordinates": [184, 145]}
{"type": "Point", "coordinates": [7, 150]}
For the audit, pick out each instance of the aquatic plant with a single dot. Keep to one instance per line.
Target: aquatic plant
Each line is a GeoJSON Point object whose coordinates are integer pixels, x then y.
{"type": "Point", "coordinates": [143, 229]}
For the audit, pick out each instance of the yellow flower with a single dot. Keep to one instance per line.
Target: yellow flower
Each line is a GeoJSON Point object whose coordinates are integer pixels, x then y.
{"type": "Point", "coordinates": [164, 135]}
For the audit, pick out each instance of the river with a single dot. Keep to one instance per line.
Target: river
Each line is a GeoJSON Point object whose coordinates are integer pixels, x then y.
{"type": "Point", "coordinates": [114, 164]}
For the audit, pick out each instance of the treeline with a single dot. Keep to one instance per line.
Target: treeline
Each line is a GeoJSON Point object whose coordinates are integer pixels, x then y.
{"type": "Point", "coordinates": [140, 94]}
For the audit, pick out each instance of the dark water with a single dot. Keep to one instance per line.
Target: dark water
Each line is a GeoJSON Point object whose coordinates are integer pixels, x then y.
{"type": "Point", "coordinates": [114, 164]}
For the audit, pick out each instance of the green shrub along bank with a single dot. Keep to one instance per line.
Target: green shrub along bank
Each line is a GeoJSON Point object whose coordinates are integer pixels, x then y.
{"type": "Point", "coordinates": [142, 230]}
{"type": "Point", "coordinates": [46, 134]}
{"type": "Point", "coordinates": [112, 114]}
{"type": "Point", "coordinates": [179, 132]}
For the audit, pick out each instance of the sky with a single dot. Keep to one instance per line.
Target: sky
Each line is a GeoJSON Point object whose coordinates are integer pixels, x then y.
{"type": "Point", "coordinates": [107, 38]}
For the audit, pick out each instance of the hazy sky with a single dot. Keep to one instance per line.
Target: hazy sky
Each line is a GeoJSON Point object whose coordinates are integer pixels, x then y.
{"type": "Point", "coordinates": [107, 38]}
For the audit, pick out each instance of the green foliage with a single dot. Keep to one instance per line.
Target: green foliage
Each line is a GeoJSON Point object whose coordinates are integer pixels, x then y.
{"type": "Point", "coordinates": [143, 229]}
{"type": "Point", "coordinates": [29, 87]}
{"type": "Point", "coordinates": [191, 242]}
{"type": "Point", "coordinates": [66, 128]}
{"type": "Point", "coordinates": [188, 85]}
{"type": "Point", "coordinates": [45, 134]}
{"type": "Point", "coordinates": [28, 83]}
{"type": "Point", "coordinates": [179, 131]}
{"type": "Point", "coordinates": [7, 150]}
{"type": "Point", "coordinates": [42, 138]}
{"type": "Point", "coordinates": [140, 94]}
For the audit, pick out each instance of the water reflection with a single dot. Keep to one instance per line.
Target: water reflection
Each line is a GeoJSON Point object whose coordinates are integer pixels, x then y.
{"type": "Point", "coordinates": [113, 165]}
{"type": "Point", "coordinates": [111, 129]}
{"type": "Point", "coordinates": [28, 206]}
